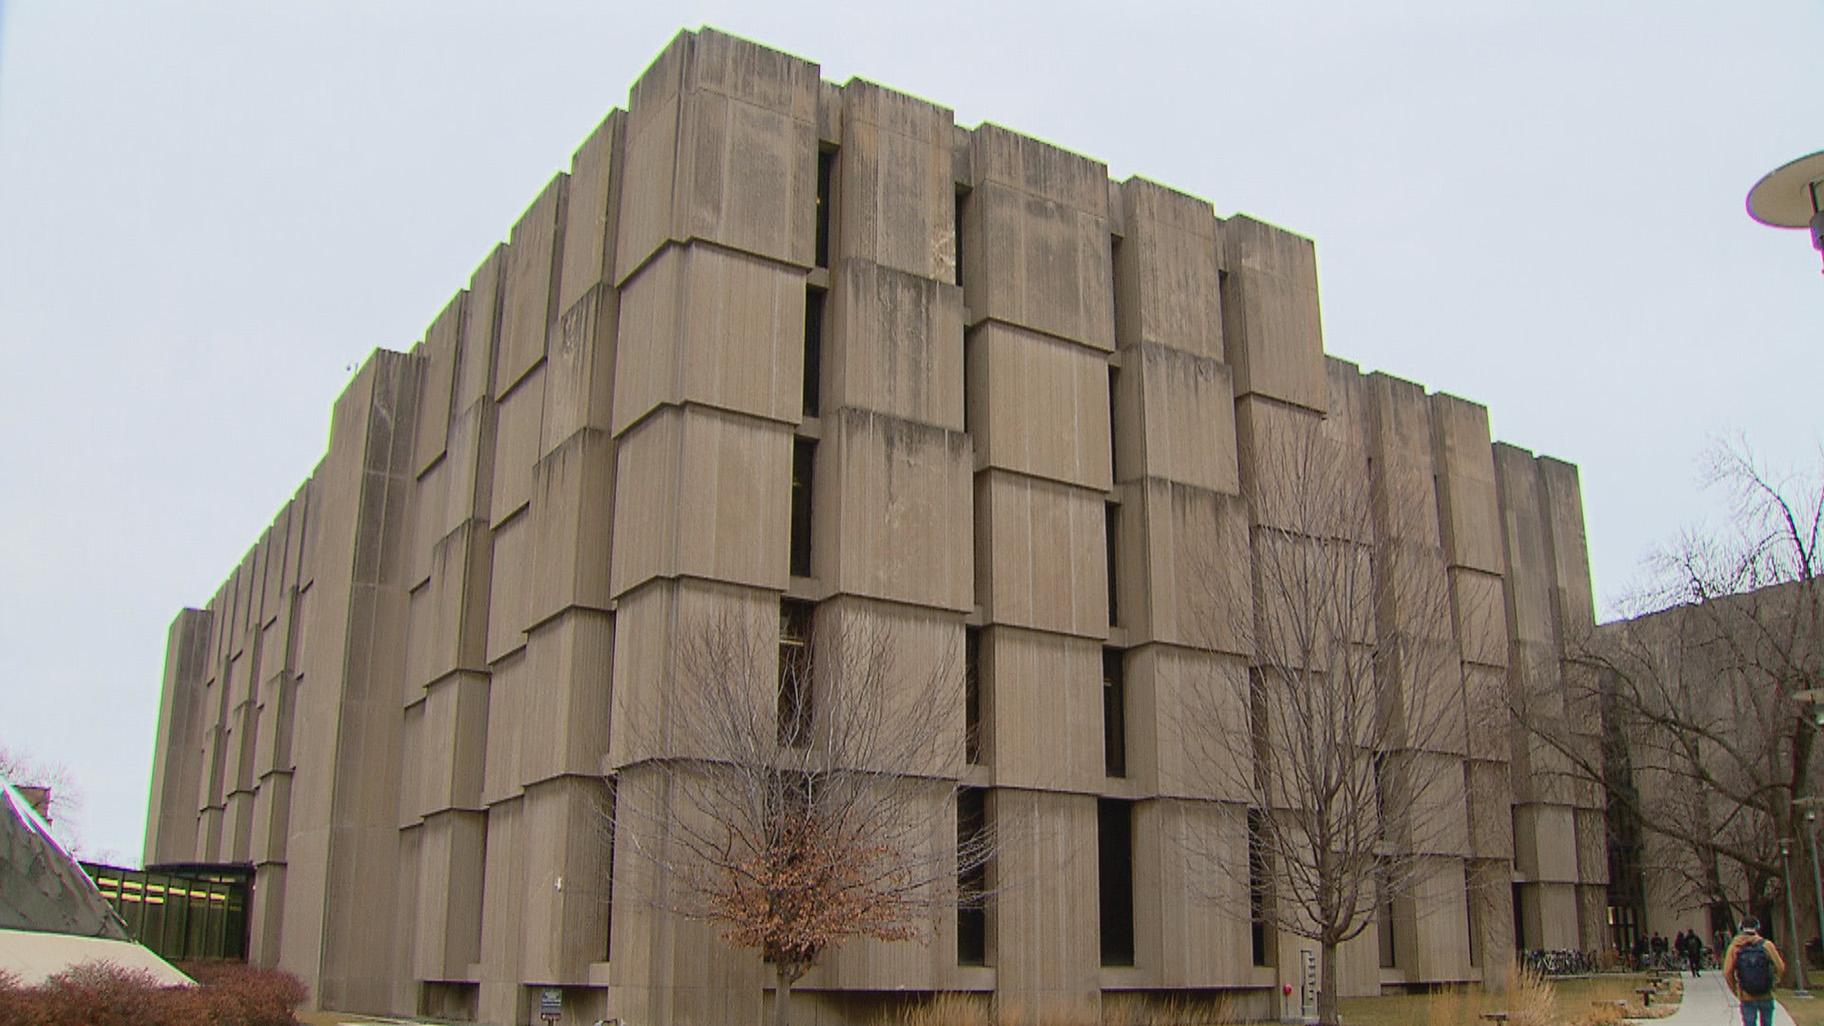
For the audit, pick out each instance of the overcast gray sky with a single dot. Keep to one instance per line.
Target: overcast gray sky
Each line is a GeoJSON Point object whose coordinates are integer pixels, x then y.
{"type": "Point", "coordinates": [209, 212]}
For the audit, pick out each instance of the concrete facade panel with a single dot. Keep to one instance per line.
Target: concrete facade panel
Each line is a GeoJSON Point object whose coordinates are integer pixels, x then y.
{"type": "Point", "coordinates": [439, 351]}
{"type": "Point", "coordinates": [893, 344]}
{"type": "Point", "coordinates": [893, 510]}
{"type": "Point", "coordinates": [1175, 419]}
{"type": "Point", "coordinates": [1435, 920]}
{"type": "Point", "coordinates": [1039, 406]}
{"type": "Point", "coordinates": [572, 522]}
{"type": "Point", "coordinates": [1042, 710]}
{"type": "Point", "coordinates": [1490, 809]}
{"type": "Point", "coordinates": [508, 605]}
{"type": "Point", "coordinates": [1168, 271]}
{"type": "Point", "coordinates": [529, 296]}
{"type": "Point", "coordinates": [1544, 843]}
{"type": "Point", "coordinates": [520, 426]}
{"type": "Point", "coordinates": [565, 698]}
{"type": "Point", "coordinates": [508, 691]}
{"type": "Point", "coordinates": [1053, 576]}
{"type": "Point", "coordinates": [721, 145]}
{"type": "Point", "coordinates": [1467, 508]}
{"type": "Point", "coordinates": [452, 854]}
{"type": "Point", "coordinates": [1479, 617]}
{"type": "Point", "coordinates": [1272, 333]}
{"type": "Point", "coordinates": [1040, 265]}
{"type": "Point", "coordinates": [896, 187]}
{"type": "Point", "coordinates": [651, 626]}
{"type": "Point", "coordinates": [1176, 700]}
{"type": "Point", "coordinates": [565, 906]}
{"type": "Point", "coordinates": [702, 324]}
{"type": "Point", "coordinates": [596, 169]}
{"type": "Point", "coordinates": [1182, 562]}
{"type": "Point", "coordinates": [579, 370]}
{"type": "Point", "coordinates": [479, 339]}
{"type": "Point", "coordinates": [716, 501]}
{"type": "Point", "coordinates": [1044, 936]}
{"type": "Point", "coordinates": [1199, 942]}
{"type": "Point", "coordinates": [454, 746]}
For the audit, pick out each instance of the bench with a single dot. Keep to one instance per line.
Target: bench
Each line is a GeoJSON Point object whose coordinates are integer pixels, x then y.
{"type": "Point", "coordinates": [1646, 995]}
{"type": "Point", "coordinates": [1495, 1016]}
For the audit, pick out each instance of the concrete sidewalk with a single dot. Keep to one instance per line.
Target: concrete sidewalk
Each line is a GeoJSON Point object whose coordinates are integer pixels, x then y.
{"type": "Point", "coordinates": [1709, 1003]}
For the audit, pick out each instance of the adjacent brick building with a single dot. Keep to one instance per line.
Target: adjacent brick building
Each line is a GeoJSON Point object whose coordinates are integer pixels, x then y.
{"type": "Point", "coordinates": [773, 340]}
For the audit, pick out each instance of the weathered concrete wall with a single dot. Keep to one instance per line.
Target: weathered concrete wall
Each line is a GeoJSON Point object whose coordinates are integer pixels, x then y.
{"type": "Point", "coordinates": [1037, 425]}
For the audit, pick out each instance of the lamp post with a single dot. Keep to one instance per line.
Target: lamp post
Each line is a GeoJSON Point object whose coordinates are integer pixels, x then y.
{"type": "Point", "coordinates": [1792, 196]}
{"type": "Point", "coordinates": [1817, 881]}
{"type": "Point", "coordinates": [1792, 918]}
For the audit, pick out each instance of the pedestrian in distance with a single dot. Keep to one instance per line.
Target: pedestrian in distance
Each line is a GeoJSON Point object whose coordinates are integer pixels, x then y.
{"type": "Point", "coordinates": [1750, 968]}
{"type": "Point", "coordinates": [1694, 953]}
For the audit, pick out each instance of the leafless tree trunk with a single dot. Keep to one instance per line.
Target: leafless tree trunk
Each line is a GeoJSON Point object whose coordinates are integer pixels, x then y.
{"type": "Point", "coordinates": [1701, 687]}
{"type": "Point", "coordinates": [1340, 737]}
{"type": "Point", "coordinates": [800, 789]}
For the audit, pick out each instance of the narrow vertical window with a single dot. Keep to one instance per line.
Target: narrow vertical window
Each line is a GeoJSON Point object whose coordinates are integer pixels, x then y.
{"type": "Point", "coordinates": [1383, 923]}
{"type": "Point", "coordinates": [1114, 714]}
{"type": "Point", "coordinates": [1115, 875]}
{"type": "Point", "coordinates": [804, 465]}
{"type": "Point", "coordinates": [795, 673]}
{"type": "Point", "coordinates": [962, 196]}
{"type": "Point", "coordinates": [1257, 891]}
{"type": "Point", "coordinates": [972, 696]}
{"type": "Point", "coordinates": [1114, 453]}
{"type": "Point", "coordinates": [1111, 526]}
{"type": "Point", "coordinates": [971, 876]}
{"type": "Point", "coordinates": [826, 172]}
{"type": "Point", "coordinates": [1380, 794]}
{"type": "Point", "coordinates": [1473, 913]}
{"type": "Point", "coordinates": [813, 350]}
{"type": "Point", "coordinates": [608, 875]}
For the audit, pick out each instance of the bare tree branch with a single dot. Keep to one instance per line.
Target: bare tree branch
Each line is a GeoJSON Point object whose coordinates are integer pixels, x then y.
{"type": "Point", "coordinates": [1342, 736]}
{"type": "Point", "coordinates": [1710, 745]}
{"type": "Point", "coordinates": [801, 791]}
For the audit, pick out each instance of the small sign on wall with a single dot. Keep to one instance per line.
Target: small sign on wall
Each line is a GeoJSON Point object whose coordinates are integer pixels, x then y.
{"type": "Point", "coordinates": [1307, 988]}
{"type": "Point", "coordinates": [550, 1004]}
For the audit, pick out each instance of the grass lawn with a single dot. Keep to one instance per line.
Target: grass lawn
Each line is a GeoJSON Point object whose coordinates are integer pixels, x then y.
{"type": "Point", "coordinates": [1805, 1011]}
{"type": "Point", "coordinates": [1572, 1000]}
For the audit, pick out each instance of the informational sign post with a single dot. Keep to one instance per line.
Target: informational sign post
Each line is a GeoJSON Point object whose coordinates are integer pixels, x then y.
{"type": "Point", "coordinates": [550, 1004]}
{"type": "Point", "coordinates": [1307, 989]}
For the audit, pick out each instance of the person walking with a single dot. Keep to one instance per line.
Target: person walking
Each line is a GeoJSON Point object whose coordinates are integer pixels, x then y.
{"type": "Point", "coordinates": [1750, 967]}
{"type": "Point", "coordinates": [1694, 953]}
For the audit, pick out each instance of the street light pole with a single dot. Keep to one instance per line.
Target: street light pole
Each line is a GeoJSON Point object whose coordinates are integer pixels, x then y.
{"type": "Point", "coordinates": [1817, 883]}
{"type": "Point", "coordinates": [1792, 918]}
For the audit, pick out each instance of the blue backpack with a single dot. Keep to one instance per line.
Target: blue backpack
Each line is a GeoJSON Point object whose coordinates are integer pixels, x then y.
{"type": "Point", "coordinates": [1753, 969]}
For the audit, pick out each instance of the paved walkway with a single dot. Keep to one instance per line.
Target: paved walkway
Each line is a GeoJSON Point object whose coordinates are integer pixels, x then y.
{"type": "Point", "coordinates": [1709, 1003]}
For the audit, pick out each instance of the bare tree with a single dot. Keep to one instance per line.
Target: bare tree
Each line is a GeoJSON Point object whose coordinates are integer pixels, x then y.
{"type": "Point", "coordinates": [1709, 741]}
{"type": "Point", "coordinates": [801, 787]}
{"type": "Point", "coordinates": [1339, 738]}
{"type": "Point", "coordinates": [61, 797]}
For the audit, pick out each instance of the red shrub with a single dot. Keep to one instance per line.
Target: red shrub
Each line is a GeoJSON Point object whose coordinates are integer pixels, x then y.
{"type": "Point", "coordinates": [103, 994]}
{"type": "Point", "coordinates": [241, 995]}
{"type": "Point", "coordinates": [19, 1006]}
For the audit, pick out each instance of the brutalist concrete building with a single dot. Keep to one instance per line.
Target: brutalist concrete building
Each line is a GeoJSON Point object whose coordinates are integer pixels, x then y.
{"type": "Point", "coordinates": [774, 342]}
